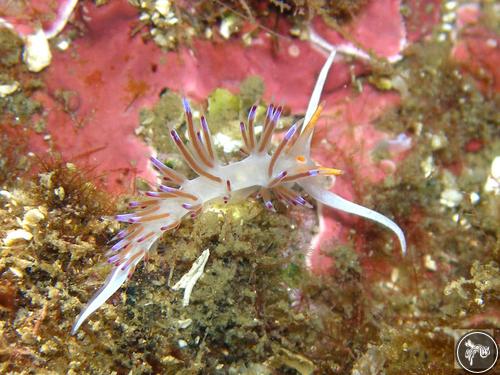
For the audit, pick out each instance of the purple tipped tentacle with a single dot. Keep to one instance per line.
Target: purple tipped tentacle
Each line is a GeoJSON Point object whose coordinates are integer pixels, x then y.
{"type": "Point", "coordinates": [276, 114]}
{"type": "Point", "coordinates": [289, 134]}
{"type": "Point", "coordinates": [269, 206]}
{"type": "Point", "coordinates": [119, 235]}
{"type": "Point", "coordinates": [119, 245]}
{"type": "Point", "coordinates": [198, 135]}
{"type": "Point", "coordinates": [185, 103]}
{"type": "Point", "coordinates": [281, 175]}
{"type": "Point", "coordinates": [158, 164]}
{"type": "Point", "coordinates": [252, 112]}
{"type": "Point", "coordinates": [124, 218]}
{"type": "Point", "coordinates": [300, 200]}
{"type": "Point", "coordinates": [204, 123]}
{"type": "Point", "coordinates": [114, 258]}
{"type": "Point", "coordinates": [270, 111]}
{"type": "Point", "coordinates": [175, 136]}
{"type": "Point", "coordinates": [167, 189]}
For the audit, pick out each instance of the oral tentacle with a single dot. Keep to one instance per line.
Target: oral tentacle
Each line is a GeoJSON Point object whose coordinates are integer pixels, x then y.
{"type": "Point", "coordinates": [316, 96]}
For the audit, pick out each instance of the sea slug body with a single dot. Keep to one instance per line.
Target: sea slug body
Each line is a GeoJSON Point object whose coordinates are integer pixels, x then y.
{"type": "Point", "coordinates": [262, 173]}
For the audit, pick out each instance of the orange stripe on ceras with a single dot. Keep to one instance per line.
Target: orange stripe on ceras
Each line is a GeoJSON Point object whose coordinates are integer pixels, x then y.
{"type": "Point", "coordinates": [136, 230]}
{"type": "Point", "coordinates": [175, 224]}
{"type": "Point", "coordinates": [132, 259]}
{"type": "Point", "coordinates": [144, 238]}
{"type": "Point", "coordinates": [276, 154]}
{"type": "Point", "coordinates": [295, 137]}
{"type": "Point", "coordinates": [145, 219]}
{"type": "Point", "coordinates": [190, 160]}
{"type": "Point", "coordinates": [244, 136]}
{"type": "Point", "coordinates": [278, 179]}
{"type": "Point", "coordinates": [173, 194]}
{"type": "Point", "coordinates": [171, 174]}
{"type": "Point", "coordinates": [145, 203]}
{"type": "Point", "coordinates": [251, 129]}
{"type": "Point", "coordinates": [195, 141]}
{"type": "Point", "coordinates": [268, 131]}
{"type": "Point", "coordinates": [208, 137]}
{"type": "Point", "coordinates": [285, 192]}
{"type": "Point", "coordinates": [296, 176]}
{"type": "Point", "coordinates": [181, 193]}
{"type": "Point", "coordinates": [147, 211]}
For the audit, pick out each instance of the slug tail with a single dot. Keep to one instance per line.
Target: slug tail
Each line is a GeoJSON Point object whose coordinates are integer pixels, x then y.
{"type": "Point", "coordinates": [124, 266]}
{"type": "Point", "coordinates": [114, 281]}
{"type": "Point", "coordinates": [333, 200]}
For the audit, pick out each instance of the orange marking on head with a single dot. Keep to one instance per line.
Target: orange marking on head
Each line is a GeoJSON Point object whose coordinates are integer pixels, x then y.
{"type": "Point", "coordinates": [300, 159]}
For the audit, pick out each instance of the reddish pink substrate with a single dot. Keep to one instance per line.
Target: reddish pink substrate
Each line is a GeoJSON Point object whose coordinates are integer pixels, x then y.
{"type": "Point", "coordinates": [477, 48]}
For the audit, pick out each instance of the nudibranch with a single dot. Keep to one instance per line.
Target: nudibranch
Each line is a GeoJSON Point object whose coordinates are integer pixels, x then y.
{"type": "Point", "coordinates": [260, 173]}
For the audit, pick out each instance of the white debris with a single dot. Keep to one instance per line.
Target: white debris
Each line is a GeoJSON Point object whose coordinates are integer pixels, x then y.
{"type": "Point", "coordinates": [430, 263]}
{"type": "Point", "coordinates": [37, 53]}
{"type": "Point", "coordinates": [63, 44]}
{"type": "Point", "coordinates": [227, 27]}
{"type": "Point", "coordinates": [6, 194]}
{"type": "Point", "coordinates": [474, 198]}
{"type": "Point", "coordinates": [184, 323]}
{"type": "Point", "coordinates": [395, 275]}
{"type": "Point", "coordinates": [8, 89]}
{"type": "Point", "coordinates": [438, 141]}
{"type": "Point", "coordinates": [191, 277]}
{"type": "Point", "coordinates": [163, 7]}
{"type": "Point", "coordinates": [32, 217]}
{"type": "Point", "coordinates": [15, 235]}
{"type": "Point", "coordinates": [492, 43]}
{"type": "Point", "coordinates": [492, 184]}
{"type": "Point", "coordinates": [182, 344]}
{"type": "Point", "coordinates": [228, 144]}
{"type": "Point", "coordinates": [428, 166]}
{"type": "Point", "coordinates": [16, 272]}
{"type": "Point", "coordinates": [401, 143]}
{"type": "Point", "coordinates": [450, 5]}
{"type": "Point", "coordinates": [451, 198]}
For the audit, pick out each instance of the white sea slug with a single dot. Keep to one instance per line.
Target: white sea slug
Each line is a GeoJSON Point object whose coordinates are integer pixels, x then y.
{"type": "Point", "coordinates": [258, 173]}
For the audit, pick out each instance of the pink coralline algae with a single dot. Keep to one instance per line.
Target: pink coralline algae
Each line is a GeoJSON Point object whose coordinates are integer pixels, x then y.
{"type": "Point", "coordinates": [476, 48]}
